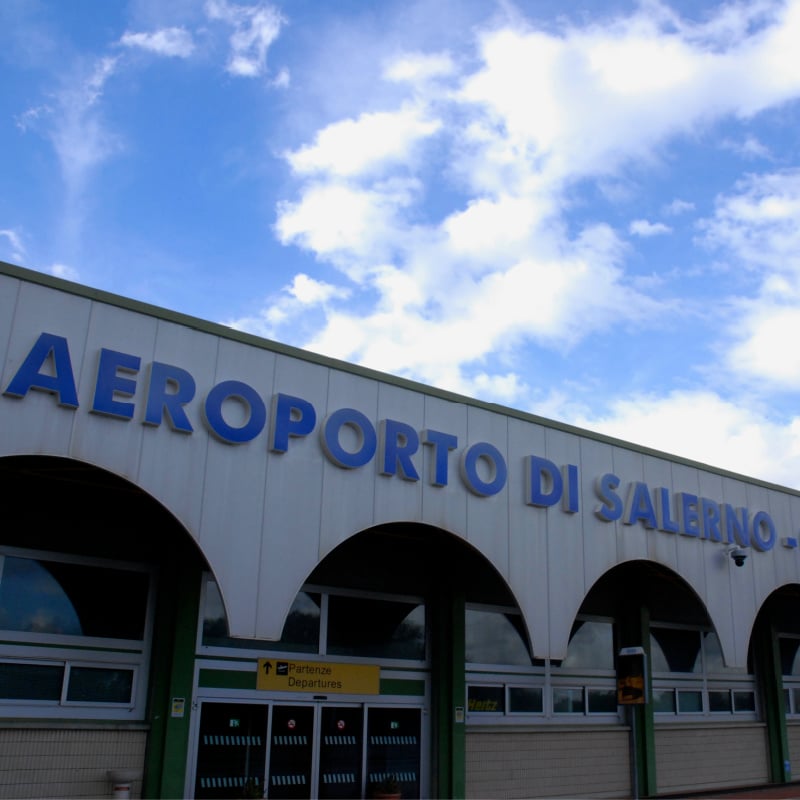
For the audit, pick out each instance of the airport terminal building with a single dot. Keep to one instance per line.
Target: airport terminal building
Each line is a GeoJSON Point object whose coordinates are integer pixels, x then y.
{"type": "Point", "coordinates": [231, 568]}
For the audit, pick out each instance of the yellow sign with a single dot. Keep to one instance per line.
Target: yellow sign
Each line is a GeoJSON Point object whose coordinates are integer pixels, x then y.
{"type": "Point", "coordinates": [276, 675]}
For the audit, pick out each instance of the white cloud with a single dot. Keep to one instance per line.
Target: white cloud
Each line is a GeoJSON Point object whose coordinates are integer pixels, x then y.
{"type": "Point", "coordinates": [17, 248]}
{"type": "Point", "coordinates": [646, 229]}
{"type": "Point", "coordinates": [417, 67]}
{"type": "Point", "coordinates": [353, 147]}
{"type": "Point", "coordinates": [255, 29]}
{"type": "Point", "coordinates": [171, 42]}
{"type": "Point", "coordinates": [756, 225]}
{"type": "Point", "coordinates": [64, 271]}
{"type": "Point", "coordinates": [678, 206]}
{"type": "Point", "coordinates": [504, 134]}
{"type": "Point", "coordinates": [704, 427]}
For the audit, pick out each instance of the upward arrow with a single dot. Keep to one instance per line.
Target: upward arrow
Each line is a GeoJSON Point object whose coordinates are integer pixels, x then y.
{"type": "Point", "coordinates": [267, 667]}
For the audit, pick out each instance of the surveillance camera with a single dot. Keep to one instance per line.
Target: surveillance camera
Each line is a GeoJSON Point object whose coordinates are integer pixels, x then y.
{"type": "Point", "coordinates": [738, 554]}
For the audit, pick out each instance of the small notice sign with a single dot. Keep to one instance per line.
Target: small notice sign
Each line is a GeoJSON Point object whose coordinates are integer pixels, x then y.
{"type": "Point", "coordinates": [277, 675]}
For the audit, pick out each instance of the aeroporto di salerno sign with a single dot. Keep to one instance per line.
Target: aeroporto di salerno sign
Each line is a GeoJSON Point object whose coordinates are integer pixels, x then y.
{"type": "Point", "coordinates": [279, 675]}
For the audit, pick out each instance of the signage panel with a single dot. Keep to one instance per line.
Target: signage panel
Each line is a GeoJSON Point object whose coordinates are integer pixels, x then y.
{"type": "Point", "coordinates": [279, 675]}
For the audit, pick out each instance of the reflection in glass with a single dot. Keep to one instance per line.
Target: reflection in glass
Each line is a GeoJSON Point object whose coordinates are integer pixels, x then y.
{"type": "Point", "coordinates": [20, 681]}
{"type": "Point", "coordinates": [300, 631]}
{"type": "Point", "coordinates": [719, 701]}
{"type": "Point", "coordinates": [568, 701]}
{"type": "Point", "coordinates": [664, 701]}
{"type": "Point", "coordinates": [744, 701]}
{"type": "Point", "coordinates": [370, 628]}
{"type": "Point", "coordinates": [56, 597]}
{"type": "Point", "coordinates": [525, 699]}
{"type": "Point", "coordinates": [100, 685]}
{"type": "Point", "coordinates": [675, 650]}
{"type": "Point", "coordinates": [591, 646]}
{"type": "Point", "coordinates": [790, 656]}
{"type": "Point", "coordinates": [602, 701]}
{"type": "Point", "coordinates": [493, 637]}
{"type": "Point", "coordinates": [690, 702]}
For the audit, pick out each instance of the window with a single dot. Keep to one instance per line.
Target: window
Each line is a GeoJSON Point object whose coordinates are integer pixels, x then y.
{"type": "Point", "coordinates": [75, 636]}
{"type": "Point", "coordinates": [495, 637]}
{"type": "Point", "coordinates": [321, 622]}
{"type": "Point", "coordinates": [300, 632]}
{"type": "Point", "coordinates": [583, 685]}
{"type": "Point", "coordinates": [789, 648]}
{"type": "Point", "coordinates": [690, 676]}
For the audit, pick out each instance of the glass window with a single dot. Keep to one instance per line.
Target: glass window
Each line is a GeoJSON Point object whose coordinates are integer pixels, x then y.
{"type": "Point", "coordinates": [675, 650]}
{"type": "Point", "coordinates": [525, 700]}
{"type": "Point", "coordinates": [486, 699]}
{"type": "Point", "coordinates": [719, 701]}
{"type": "Point", "coordinates": [591, 646]}
{"type": "Point", "coordinates": [24, 681]}
{"type": "Point", "coordinates": [47, 596]}
{"type": "Point", "coordinates": [493, 637]}
{"type": "Point", "coordinates": [744, 701]}
{"type": "Point", "coordinates": [690, 702]}
{"type": "Point", "coordinates": [568, 701]}
{"type": "Point", "coordinates": [100, 685]}
{"type": "Point", "coordinates": [370, 628]}
{"type": "Point", "coordinates": [790, 656]}
{"type": "Point", "coordinates": [664, 701]}
{"type": "Point", "coordinates": [300, 631]}
{"type": "Point", "coordinates": [712, 653]}
{"type": "Point", "coordinates": [602, 701]}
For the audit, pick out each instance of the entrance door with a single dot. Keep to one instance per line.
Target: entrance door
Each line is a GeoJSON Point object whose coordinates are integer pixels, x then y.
{"type": "Point", "coordinates": [302, 750]}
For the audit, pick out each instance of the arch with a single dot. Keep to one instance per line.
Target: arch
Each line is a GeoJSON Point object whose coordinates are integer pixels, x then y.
{"type": "Point", "coordinates": [635, 583]}
{"type": "Point", "coordinates": [410, 559]}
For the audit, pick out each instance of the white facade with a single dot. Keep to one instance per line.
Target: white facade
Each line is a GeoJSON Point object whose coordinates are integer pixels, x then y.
{"type": "Point", "coordinates": [265, 518]}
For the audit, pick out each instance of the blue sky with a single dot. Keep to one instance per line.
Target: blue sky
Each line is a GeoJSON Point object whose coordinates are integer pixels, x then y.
{"type": "Point", "coordinates": [589, 211]}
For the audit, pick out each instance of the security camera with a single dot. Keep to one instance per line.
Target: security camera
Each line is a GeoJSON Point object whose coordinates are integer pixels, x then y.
{"type": "Point", "coordinates": [738, 555]}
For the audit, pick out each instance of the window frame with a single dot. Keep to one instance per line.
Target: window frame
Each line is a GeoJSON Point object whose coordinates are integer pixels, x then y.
{"type": "Point", "coordinates": [66, 650]}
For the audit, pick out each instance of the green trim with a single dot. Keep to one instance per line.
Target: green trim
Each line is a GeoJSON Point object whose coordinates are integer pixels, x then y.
{"type": "Point", "coordinates": [227, 679]}
{"type": "Point", "coordinates": [398, 687]}
{"type": "Point", "coordinates": [634, 624]}
{"type": "Point", "coordinates": [770, 684]}
{"type": "Point", "coordinates": [172, 675]}
{"type": "Point", "coordinates": [449, 681]}
{"type": "Point", "coordinates": [58, 284]}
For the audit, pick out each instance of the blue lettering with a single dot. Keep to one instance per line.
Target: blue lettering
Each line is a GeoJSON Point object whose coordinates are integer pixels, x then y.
{"type": "Point", "coordinates": [737, 525]}
{"type": "Point", "coordinates": [689, 515]}
{"type": "Point", "coordinates": [109, 384]}
{"type": "Point", "coordinates": [543, 482]}
{"type": "Point", "coordinates": [639, 506]}
{"type": "Point", "coordinates": [571, 499]}
{"type": "Point", "coordinates": [291, 416]}
{"type": "Point", "coordinates": [483, 451]}
{"type": "Point", "coordinates": [663, 513]}
{"type": "Point", "coordinates": [361, 426]}
{"type": "Point", "coordinates": [181, 386]}
{"type": "Point", "coordinates": [604, 487]}
{"type": "Point", "coordinates": [441, 443]}
{"type": "Point", "coordinates": [762, 522]}
{"type": "Point", "coordinates": [240, 392]}
{"type": "Point", "coordinates": [54, 349]}
{"type": "Point", "coordinates": [398, 442]}
{"type": "Point", "coordinates": [709, 511]}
